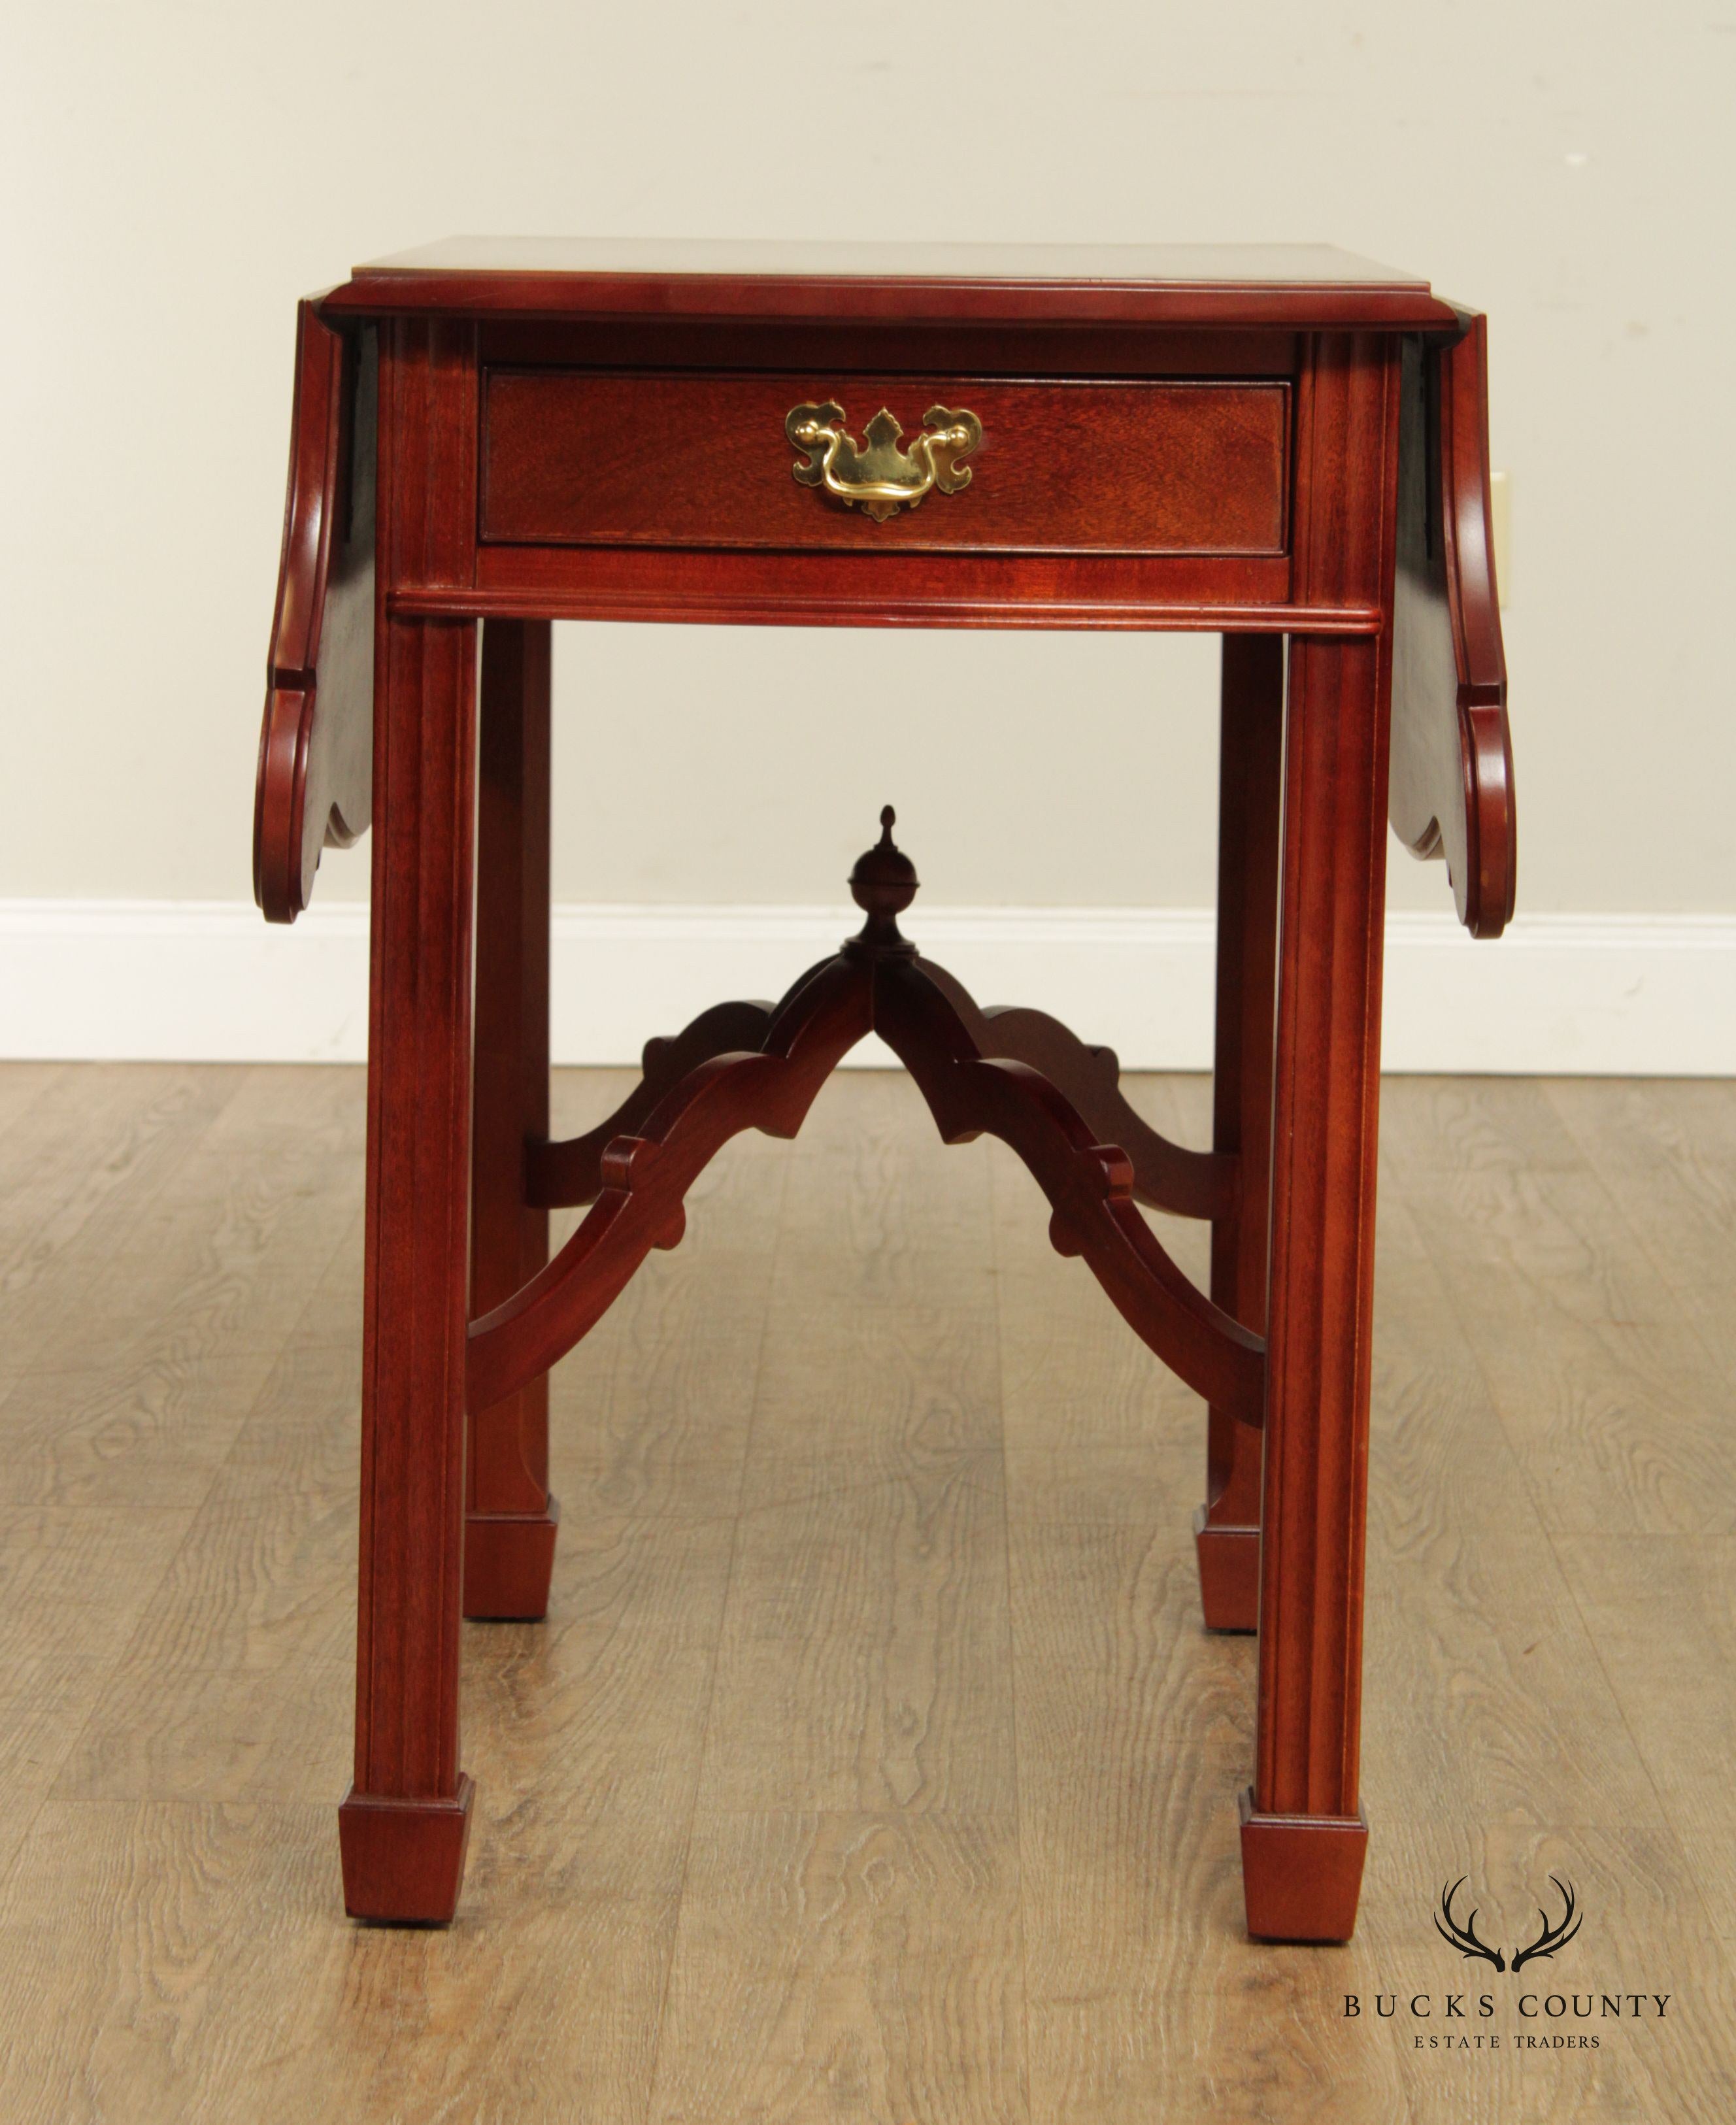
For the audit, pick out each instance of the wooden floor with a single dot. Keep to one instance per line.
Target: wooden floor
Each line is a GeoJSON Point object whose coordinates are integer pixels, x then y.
{"type": "Point", "coordinates": [872, 1763]}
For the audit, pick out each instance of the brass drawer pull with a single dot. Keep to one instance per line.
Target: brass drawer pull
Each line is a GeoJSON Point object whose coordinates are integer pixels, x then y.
{"type": "Point", "coordinates": [883, 479]}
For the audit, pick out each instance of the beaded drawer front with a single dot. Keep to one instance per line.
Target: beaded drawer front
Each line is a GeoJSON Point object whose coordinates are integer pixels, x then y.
{"type": "Point", "coordinates": [800, 460]}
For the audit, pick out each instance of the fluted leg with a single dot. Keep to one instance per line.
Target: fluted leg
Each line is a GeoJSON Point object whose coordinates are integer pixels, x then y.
{"type": "Point", "coordinates": [1303, 1833]}
{"type": "Point", "coordinates": [404, 1826]}
{"type": "Point", "coordinates": [509, 1517]}
{"type": "Point", "coordinates": [1227, 1526]}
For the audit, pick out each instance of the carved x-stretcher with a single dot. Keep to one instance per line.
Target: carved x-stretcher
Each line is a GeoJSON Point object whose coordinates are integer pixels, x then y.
{"type": "Point", "coordinates": [1282, 447]}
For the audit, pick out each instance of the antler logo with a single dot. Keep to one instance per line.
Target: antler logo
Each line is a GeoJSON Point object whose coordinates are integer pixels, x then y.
{"type": "Point", "coordinates": [1552, 1937]}
{"type": "Point", "coordinates": [1464, 1938]}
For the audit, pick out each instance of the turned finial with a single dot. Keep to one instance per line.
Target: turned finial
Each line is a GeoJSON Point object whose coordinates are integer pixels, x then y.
{"type": "Point", "coordinates": [882, 885]}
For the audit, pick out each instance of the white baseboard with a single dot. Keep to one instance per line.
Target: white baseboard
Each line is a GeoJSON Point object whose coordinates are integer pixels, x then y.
{"type": "Point", "coordinates": [200, 980]}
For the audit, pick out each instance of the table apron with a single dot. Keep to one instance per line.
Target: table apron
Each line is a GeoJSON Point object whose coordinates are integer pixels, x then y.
{"type": "Point", "coordinates": [788, 591]}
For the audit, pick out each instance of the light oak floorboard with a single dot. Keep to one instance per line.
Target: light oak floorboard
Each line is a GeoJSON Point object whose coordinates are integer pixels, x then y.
{"type": "Point", "coordinates": [650, 1414]}
{"type": "Point", "coordinates": [1618, 1419]}
{"type": "Point", "coordinates": [862, 1663]}
{"type": "Point", "coordinates": [1666, 1151]}
{"type": "Point", "coordinates": [846, 1965]}
{"type": "Point", "coordinates": [1662, 1611]}
{"type": "Point", "coordinates": [84, 1160]}
{"type": "Point", "coordinates": [872, 1764]}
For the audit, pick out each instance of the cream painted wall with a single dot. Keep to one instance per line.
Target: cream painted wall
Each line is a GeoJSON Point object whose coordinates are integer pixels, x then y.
{"type": "Point", "coordinates": [176, 174]}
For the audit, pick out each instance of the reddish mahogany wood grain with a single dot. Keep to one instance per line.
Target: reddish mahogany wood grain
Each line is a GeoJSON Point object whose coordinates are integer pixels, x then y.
{"type": "Point", "coordinates": [564, 1174]}
{"type": "Point", "coordinates": [316, 743]}
{"type": "Point", "coordinates": [905, 346]}
{"type": "Point", "coordinates": [1303, 1874]}
{"type": "Point", "coordinates": [1452, 768]}
{"type": "Point", "coordinates": [1166, 1175]}
{"type": "Point", "coordinates": [509, 1517]}
{"type": "Point", "coordinates": [1381, 556]}
{"type": "Point", "coordinates": [646, 1176]}
{"type": "Point", "coordinates": [1448, 767]}
{"type": "Point", "coordinates": [1297, 286]}
{"type": "Point", "coordinates": [401, 1860]}
{"type": "Point", "coordinates": [596, 458]}
{"type": "Point", "coordinates": [1089, 1186]}
{"type": "Point", "coordinates": [404, 1859]}
{"type": "Point", "coordinates": [1202, 593]}
{"type": "Point", "coordinates": [1327, 1091]}
{"type": "Point", "coordinates": [1250, 792]}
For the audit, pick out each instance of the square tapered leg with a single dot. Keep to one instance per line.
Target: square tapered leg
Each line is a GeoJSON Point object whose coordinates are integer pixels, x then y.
{"type": "Point", "coordinates": [1300, 1880]}
{"type": "Point", "coordinates": [1227, 1527]}
{"type": "Point", "coordinates": [511, 1520]}
{"type": "Point", "coordinates": [402, 1828]}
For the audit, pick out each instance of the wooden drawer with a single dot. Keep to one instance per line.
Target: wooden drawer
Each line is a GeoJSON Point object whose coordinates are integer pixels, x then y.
{"type": "Point", "coordinates": [615, 457]}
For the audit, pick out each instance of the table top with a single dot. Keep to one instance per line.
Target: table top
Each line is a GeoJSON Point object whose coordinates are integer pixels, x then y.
{"type": "Point", "coordinates": [1451, 791]}
{"type": "Point", "coordinates": [1292, 284]}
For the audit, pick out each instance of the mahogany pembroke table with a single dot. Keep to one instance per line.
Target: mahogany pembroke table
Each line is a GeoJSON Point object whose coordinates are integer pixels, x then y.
{"type": "Point", "coordinates": [1285, 446]}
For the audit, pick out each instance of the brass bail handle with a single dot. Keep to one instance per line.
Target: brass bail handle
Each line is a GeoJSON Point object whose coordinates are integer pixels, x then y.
{"type": "Point", "coordinates": [881, 478]}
